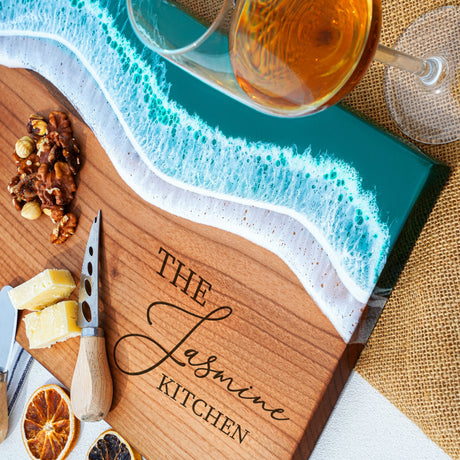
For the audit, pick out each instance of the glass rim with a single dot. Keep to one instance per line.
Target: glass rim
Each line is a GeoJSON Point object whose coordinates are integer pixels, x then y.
{"type": "Point", "coordinates": [185, 49]}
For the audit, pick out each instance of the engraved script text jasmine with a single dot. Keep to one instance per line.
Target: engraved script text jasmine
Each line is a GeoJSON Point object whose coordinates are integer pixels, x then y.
{"type": "Point", "coordinates": [202, 368]}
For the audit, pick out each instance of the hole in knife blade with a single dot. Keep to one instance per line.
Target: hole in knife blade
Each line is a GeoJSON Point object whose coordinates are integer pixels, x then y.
{"type": "Point", "coordinates": [86, 309]}
{"type": "Point", "coordinates": [90, 250]}
{"type": "Point", "coordinates": [90, 268]}
{"type": "Point", "coordinates": [88, 287]}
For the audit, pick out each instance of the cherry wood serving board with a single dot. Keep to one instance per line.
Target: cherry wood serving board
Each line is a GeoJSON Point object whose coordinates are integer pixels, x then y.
{"type": "Point", "coordinates": [237, 363]}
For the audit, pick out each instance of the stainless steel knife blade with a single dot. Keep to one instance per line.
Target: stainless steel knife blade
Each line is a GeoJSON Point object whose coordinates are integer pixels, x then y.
{"type": "Point", "coordinates": [88, 313]}
{"type": "Point", "coordinates": [8, 323]}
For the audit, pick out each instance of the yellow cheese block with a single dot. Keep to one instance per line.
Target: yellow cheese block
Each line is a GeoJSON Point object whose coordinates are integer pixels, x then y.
{"type": "Point", "coordinates": [53, 324]}
{"type": "Point", "coordinates": [46, 288]}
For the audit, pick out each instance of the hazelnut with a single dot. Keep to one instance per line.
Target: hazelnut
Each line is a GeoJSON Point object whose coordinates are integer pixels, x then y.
{"type": "Point", "coordinates": [24, 147]}
{"type": "Point", "coordinates": [31, 210]}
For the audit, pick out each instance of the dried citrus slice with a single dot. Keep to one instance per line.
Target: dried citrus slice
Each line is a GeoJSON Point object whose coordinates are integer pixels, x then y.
{"type": "Point", "coordinates": [111, 445]}
{"type": "Point", "coordinates": [49, 427]}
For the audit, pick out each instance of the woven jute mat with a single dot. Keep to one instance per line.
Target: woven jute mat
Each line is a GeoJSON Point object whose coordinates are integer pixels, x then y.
{"type": "Point", "coordinates": [413, 354]}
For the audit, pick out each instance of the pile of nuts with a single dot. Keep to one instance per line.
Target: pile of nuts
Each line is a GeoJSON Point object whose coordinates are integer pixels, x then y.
{"type": "Point", "coordinates": [47, 162]}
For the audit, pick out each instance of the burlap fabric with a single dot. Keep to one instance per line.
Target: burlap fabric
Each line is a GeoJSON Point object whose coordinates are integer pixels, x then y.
{"type": "Point", "coordinates": [413, 355]}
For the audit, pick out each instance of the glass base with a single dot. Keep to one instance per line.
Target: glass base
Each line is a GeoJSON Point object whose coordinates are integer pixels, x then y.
{"type": "Point", "coordinates": [428, 115]}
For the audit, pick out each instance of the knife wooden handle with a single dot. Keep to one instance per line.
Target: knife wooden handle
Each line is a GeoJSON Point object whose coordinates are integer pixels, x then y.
{"type": "Point", "coordinates": [3, 407]}
{"type": "Point", "coordinates": [92, 389]}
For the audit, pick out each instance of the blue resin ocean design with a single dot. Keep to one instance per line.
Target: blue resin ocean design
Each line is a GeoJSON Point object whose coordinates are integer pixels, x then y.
{"type": "Point", "coordinates": [320, 191]}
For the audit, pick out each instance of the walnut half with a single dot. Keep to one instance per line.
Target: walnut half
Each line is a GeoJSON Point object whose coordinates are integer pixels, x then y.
{"type": "Point", "coordinates": [64, 228]}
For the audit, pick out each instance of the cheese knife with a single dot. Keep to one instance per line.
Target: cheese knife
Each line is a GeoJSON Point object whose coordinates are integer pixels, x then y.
{"type": "Point", "coordinates": [92, 389]}
{"type": "Point", "coordinates": [8, 323]}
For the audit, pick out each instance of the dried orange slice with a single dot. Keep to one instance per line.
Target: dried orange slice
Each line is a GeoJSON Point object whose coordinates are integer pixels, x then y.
{"type": "Point", "coordinates": [49, 427]}
{"type": "Point", "coordinates": [111, 445]}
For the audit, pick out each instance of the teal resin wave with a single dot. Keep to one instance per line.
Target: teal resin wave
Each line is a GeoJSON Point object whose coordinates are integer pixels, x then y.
{"type": "Point", "coordinates": [322, 192]}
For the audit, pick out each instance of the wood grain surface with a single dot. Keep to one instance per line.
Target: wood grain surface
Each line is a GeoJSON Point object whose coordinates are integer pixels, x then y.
{"type": "Point", "coordinates": [239, 362]}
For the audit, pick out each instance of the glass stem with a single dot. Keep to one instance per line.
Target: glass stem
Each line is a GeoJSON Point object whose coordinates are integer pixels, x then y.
{"type": "Point", "coordinates": [431, 71]}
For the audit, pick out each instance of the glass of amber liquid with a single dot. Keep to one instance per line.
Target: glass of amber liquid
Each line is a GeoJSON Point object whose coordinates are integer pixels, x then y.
{"type": "Point", "coordinates": [293, 58]}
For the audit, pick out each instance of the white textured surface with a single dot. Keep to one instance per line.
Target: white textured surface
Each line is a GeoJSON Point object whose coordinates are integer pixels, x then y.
{"type": "Point", "coordinates": [363, 426]}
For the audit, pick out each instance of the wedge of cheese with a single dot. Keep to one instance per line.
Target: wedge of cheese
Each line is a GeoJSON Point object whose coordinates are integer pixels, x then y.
{"type": "Point", "coordinates": [52, 324]}
{"type": "Point", "coordinates": [46, 288]}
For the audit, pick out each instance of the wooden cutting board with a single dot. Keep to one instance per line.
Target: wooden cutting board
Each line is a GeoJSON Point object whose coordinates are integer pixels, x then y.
{"type": "Point", "coordinates": [239, 362]}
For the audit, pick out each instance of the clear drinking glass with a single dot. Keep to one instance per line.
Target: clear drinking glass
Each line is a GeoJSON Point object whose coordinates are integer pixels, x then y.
{"type": "Point", "coordinates": [294, 58]}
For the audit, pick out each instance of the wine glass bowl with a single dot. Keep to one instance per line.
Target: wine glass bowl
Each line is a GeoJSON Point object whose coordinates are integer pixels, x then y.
{"type": "Point", "coordinates": [246, 48]}
{"type": "Point", "coordinates": [299, 57]}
